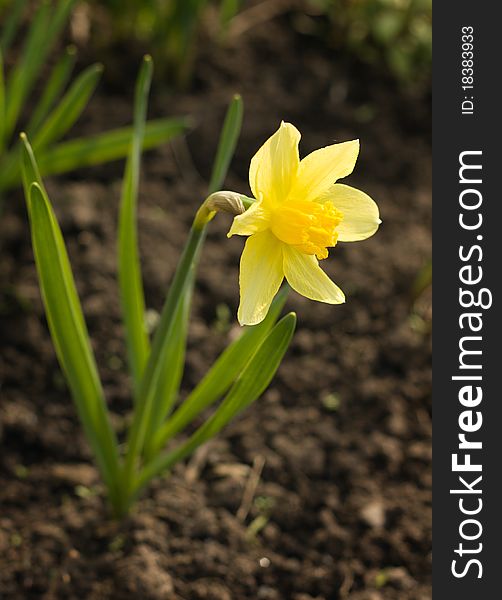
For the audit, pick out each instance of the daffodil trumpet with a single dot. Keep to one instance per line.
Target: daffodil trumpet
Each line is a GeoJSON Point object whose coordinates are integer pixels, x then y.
{"type": "Point", "coordinates": [299, 212]}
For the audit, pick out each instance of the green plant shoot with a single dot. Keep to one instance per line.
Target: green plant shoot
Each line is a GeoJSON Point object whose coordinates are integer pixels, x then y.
{"type": "Point", "coordinates": [238, 377]}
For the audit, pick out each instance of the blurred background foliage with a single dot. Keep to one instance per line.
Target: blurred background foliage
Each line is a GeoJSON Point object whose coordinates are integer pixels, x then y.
{"type": "Point", "coordinates": [44, 99]}
{"type": "Point", "coordinates": [394, 35]}
{"type": "Point", "coordinates": [170, 28]}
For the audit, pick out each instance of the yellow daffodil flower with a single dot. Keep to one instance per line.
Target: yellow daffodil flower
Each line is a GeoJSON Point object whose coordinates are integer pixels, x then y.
{"type": "Point", "coordinates": [299, 213]}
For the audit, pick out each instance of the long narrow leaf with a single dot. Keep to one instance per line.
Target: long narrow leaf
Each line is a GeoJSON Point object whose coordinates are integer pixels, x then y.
{"type": "Point", "coordinates": [154, 375]}
{"type": "Point", "coordinates": [228, 140]}
{"type": "Point", "coordinates": [222, 374]}
{"type": "Point", "coordinates": [28, 67]}
{"type": "Point", "coordinates": [154, 370]}
{"type": "Point", "coordinates": [170, 372]}
{"type": "Point", "coordinates": [228, 10]}
{"type": "Point", "coordinates": [31, 173]}
{"type": "Point", "coordinates": [58, 79]}
{"type": "Point", "coordinates": [67, 324]}
{"type": "Point", "coordinates": [69, 333]}
{"type": "Point", "coordinates": [108, 146]}
{"type": "Point", "coordinates": [59, 18]}
{"type": "Point", "coordinates": [170, 378]}
{"type": "Point", "coordinates": [2, 103]}
{"type": "Point", "coordinates": [69, 109]}
{"type": "Point", "coordinates": [249, 386]}
{"type": "Point", "coordinates": [129, 269]}
{"type": "Point", "coordinates": [94, 150]}
{"type": "Point", "coordinates": [11, 24]}
{"type": "Point", "coordinates": [43, 33]}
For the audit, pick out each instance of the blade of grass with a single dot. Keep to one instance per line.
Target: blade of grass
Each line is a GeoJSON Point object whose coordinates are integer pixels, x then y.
{"type": "Point", "coordinates": [69, 109]}
{"type": "Point", "coordinates": [170, 372]}
{"type": "Point", "coordinates": [248, 387]}
{"type": "Point", "coordinates": [70, 337]}
{"type": "Point", "coordinates": [222, 374]}
{"type": "Point", "coordinates": [129, 269]}
{"type": "Point", "coordinates": [94, 150]}
{"type": "Point", "coordinates": [58, 79]}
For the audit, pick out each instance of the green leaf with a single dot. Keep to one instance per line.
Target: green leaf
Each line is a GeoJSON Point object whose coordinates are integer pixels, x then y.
{"type": "Point", "coordinates": [228, 10]}
{"type": "Point", "coordinates": [69, 109]}
{"type": "Point", "coordinates": [170, 373]}
{"type": "Point", "coordinates": [227, 143]}
{"type": "Point", "coordinates": [108, 146]}
{"type": "Point", "coordinates": [30, 171]}
{"type": "Point", "coordinates": [2, 104]}
{"type": "Point", "coordinates": [170, 378]}
{"type": "Point", "coordinates": [222, 374]}
{"type": "Point", "coordinates": [60, 17]}
{"type": "Point", "coordinates": [157, 363]}
{"type": "Point", "coordinates": [97, 149]}
{"type": "Point", "coordinates": [69, 334]}
{"type": "Point", "coordinates": [131, 286]}
{"type": "Point", "coordinates": [157, 371]}
{"type": "Point", "coordinates": [58, 79]}
{"type": "Point", "coordinates": [178, 33]}
{"type": "Point", "coordinates": [249, 386]}
{"type": "Point", "coordinates": [26, 69]}
{"type": "Point", "coordinates": [422, 281]}
{"type": "Point", "coordinates": [11, 24]}
{"type": "Point", "coordinates": [43, 33]}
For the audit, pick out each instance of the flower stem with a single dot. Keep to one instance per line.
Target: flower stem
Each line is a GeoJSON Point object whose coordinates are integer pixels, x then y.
{"type": "Point", "coordinates": [183, 276]}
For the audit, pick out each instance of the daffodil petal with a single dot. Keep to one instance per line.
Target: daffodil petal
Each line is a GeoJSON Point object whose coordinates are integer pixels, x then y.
{"type": "Point", "coordinates": [319, 170]}
{"type": "Point", "coordinates": [273, 168]}
{"type": "Point", "coordinates": [254, 220]}
{"type": "Point", "coordinates": [360, 213]}
{"type": "Point", "coordinates": [260, 276]}
{"type": "Point", "coordinates": [304, 275]}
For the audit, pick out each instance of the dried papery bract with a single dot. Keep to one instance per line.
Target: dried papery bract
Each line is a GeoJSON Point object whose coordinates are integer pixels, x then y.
{"type": "Point", "coordinates": [227, 202]}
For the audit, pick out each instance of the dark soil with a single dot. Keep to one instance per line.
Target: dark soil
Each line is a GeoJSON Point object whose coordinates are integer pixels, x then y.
{"type": "Point", "coordinates": [340, 441]}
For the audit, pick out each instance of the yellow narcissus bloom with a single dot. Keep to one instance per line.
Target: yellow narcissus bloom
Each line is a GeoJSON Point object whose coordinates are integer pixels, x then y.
{"type": "Point", "coordinates": [299, 213]}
